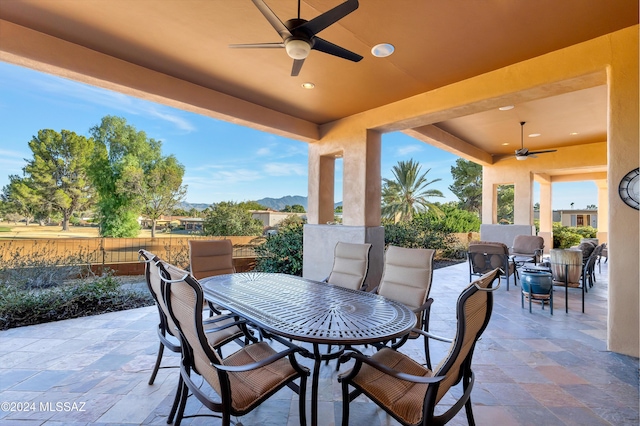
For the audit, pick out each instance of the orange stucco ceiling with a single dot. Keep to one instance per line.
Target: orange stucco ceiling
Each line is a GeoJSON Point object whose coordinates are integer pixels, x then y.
{"type": "Point", "coordinates": [437, 43]}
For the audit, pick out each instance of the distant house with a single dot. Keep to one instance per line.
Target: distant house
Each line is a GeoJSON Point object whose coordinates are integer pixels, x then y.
{"type": "Point", "coordinates": [577, 217]}
{"type": "Point", "coordinates": [586, 217]}
{"type": "Point", "coordinates": [192, 223]}
{"type": "Point", "coordinates": [270, 218]}
{"type": "Point", "coordinates": [162, 222]}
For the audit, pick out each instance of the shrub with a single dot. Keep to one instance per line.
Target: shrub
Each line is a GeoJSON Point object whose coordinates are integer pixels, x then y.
{"type": "Point", "coordinates": [565, 236]}
{"type": "Point", "coordinates": [421, 233]}
{"type": "Point", "coordinates": [282, 252]}
{"type": "Point", "coordinates": [20, 307]}
{"type": "Point", "coordinates": [42, 268]}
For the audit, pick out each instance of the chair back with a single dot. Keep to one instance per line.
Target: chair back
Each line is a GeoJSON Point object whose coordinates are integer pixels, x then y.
{"type": "Point", "coordinates": [407, 276]}
{"type": "Point", "coordinates": [155, 285]}
{"type": "Point", "coordinates": [350, 265]}
{"type": "Point", "coordinates": [185, 300]}
{"type": "Point", "coordinates": [210, 257]}
{"type": "Point", "coordinates": [485, 256]}
{"type": "Point", "coordinates": [473, 311]}
{"type": "Point", "coordinates": [528, 245]}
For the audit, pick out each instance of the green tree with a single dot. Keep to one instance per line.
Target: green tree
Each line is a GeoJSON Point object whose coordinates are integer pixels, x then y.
{"type": "Point", "coordinates": [160, 188]}
{"type": "Point", "coordinates": [21, 198]}
{"type": "Point", "coordinates": [467, 185]}
{"type": "Point", "coordinates": [408, 193]}
{"type": "Point", "coordinates": [177, 211]}
{"type": "Point", "coordinates": [251, 205]}
{"type": "Point", "coordinates": [58, 171]}
{"type": "Point", "coordinates": [592, 207]}
{"type": "Point", "coordinates": [296, 208]}
{"type": "Point", "coordinates": [338, 209]}
{"type": "Point", "coordinates": [229, 218]}
{"type": "Point", "coordinates": [505, 204]}
{"type": "Point", "coordinates": [193, 212]}
{"type": "Point", "coordinates": [454, 219]}
{"type": "Point", "coordinates": [121, 154]}
{"type": "Point", "coordinates": [282, 252]}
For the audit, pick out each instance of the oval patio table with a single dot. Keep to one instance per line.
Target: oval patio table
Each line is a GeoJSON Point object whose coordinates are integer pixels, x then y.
{"type": "Point", "coordinates": [310, 311]}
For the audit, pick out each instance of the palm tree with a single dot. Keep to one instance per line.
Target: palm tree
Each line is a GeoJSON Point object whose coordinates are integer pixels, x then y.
{"type": "Point", "coordinates": [407, 193]}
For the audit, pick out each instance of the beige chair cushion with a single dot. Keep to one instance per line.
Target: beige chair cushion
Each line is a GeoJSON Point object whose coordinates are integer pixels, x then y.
{"type": "Point", "coordinates": [350, 265]}
{"type": "Point", "coordinates": [407, 275]}
{"type": "Point", "coordinates": [210, 257]}
{"type": "Point", "coordinates": [527, 244]}
{"type": "Point", "coordinates": [477, 249]}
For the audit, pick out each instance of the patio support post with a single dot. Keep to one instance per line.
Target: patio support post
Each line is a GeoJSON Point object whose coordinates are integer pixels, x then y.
{"type": "Point", "coordinates": [603, 210]}
{"type": "Point", "coordinates": [546, 211]}
{"type": "Point", "coordinates": [360, 150]}
{"type": "Point", "coordinates": [523, 198]}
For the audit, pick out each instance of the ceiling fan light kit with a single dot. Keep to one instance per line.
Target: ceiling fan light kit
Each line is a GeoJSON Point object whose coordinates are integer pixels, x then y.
{"type": "Point", "coordinates": [297, 49]}
{"type": "Point", "coordinates": [299, 36]}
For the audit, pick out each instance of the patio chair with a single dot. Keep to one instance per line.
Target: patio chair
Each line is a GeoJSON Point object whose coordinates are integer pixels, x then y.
{"type": "Point", "coordinates": [484, 256]}
{"type": "Point", "coordinates": [210, 257]}
{"type": "Point", "coordinates": [220, 329]}
{"type": "Point", "coordinates": [241, 381]}
{"type": "Point", "coordinates": [527, 248]}
{"type": "Point", "coordinates": [350, 265]}
{"type": "Point", "coordinates": [408, 391]}
{"type": "Point", "coordinates": [406, 278]}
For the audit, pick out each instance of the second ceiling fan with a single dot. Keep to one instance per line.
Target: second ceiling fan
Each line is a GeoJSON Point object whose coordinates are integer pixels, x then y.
{"type": "Point", "coordinates": [299, 35]}
{"type": "Point", "coordinates": [524, 153]}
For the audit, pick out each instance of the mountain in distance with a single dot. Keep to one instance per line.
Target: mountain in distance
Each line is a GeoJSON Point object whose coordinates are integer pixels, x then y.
{"type": "Point", "coordinates": [280, 203]}
{"type": "Point", "coordinates": [270, 203]}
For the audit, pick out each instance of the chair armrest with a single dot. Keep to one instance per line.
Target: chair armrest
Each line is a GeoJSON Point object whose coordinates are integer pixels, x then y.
{"type": "Point", "coordinates": [225, 326]}
{"type": "Point", "coordinates": [431, 336]}
{"type": "Point", "coordinates": [218, 318]}
{"type": "Point", "coordinates": [255, 365]}
{"type": "Point", "coordinates": [374, 290]}
{"type": "Point", "coordinates": [360, 359]}
{"type": "Point", "coordinates": [426, 305]}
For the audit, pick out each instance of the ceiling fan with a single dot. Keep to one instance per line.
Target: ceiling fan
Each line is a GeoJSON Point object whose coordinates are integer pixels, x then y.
{"type": "Point", "coordinates": [299, 35]}
{"type": "Point", "coordinates": [523, 153]}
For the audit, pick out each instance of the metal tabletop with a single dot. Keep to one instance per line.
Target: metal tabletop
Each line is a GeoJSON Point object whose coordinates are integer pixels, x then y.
{"type": "Point", "coordinates": [309, 311]}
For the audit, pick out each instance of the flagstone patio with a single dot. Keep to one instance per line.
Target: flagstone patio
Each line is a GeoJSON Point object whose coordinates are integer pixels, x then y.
{"type": "Point", "coordinates": [531, 368]}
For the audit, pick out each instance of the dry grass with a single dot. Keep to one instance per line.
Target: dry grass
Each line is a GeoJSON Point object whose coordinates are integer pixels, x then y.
{"type": "Point", "coordinates": [35, 231]}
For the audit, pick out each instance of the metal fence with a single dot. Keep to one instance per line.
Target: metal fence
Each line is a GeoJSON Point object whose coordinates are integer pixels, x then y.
{"type": "Point", "coordinates": [101, 252]}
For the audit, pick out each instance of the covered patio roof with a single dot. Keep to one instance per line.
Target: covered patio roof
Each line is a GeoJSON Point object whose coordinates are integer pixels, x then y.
{"type": "Point", "coordinates": [177, 52]}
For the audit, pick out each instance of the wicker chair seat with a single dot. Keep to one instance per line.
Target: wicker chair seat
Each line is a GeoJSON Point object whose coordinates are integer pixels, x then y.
{"type": "Point", "coordinates": [402, 397]}
{"type": "Point", "coordinates": [250, 386]}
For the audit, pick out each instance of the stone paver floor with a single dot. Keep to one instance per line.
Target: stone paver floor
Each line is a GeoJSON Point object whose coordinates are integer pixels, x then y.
{"type": "Point", "coordinates": [531, 369]}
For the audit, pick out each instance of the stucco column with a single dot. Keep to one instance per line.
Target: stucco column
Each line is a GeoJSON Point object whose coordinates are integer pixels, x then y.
{"type": "Point", "coordinates": [546, 211]}
{"type": "Point", "coordinates": [603, 210]}
{"type": "Point", "coordinates": [489, 198]}
{"type": "Point", "coordinates": [360, 150]}
{"type": "Point", "coordinates": [624, 224]}
{"type": "Point", "coordinates": [523, 199]}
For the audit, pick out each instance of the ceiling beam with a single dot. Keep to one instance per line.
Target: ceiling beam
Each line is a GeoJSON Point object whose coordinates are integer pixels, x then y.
{"type": "Point", "coordinates": [445, 141]}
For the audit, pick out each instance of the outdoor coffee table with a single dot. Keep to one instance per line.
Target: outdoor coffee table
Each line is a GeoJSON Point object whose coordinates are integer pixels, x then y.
{"type": "Point", "coordinates": [310, 311]}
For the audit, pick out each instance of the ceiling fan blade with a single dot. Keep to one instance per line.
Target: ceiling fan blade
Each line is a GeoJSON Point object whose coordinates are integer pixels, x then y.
{"type": "Point", "coordinates": [321, 22]}
{"type": "Point", "coordinates": [542, 152]}
{"type": "Point", "coordinates": [332, 49]}
{"type": "Point", "coordinates": [257, 45]}
{"type": "Point", "coordinates": [297, 66]}
{"type": "Point", "coordinates": [273, 19]}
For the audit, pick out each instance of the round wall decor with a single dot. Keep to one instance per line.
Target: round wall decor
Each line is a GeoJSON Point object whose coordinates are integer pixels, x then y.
{"type": "Point", "coordinates": [629, 188]}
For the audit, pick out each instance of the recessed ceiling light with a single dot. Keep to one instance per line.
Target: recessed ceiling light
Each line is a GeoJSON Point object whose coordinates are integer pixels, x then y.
{"type": "Point", "coordinates": [506, 108]}
{"type": "Point", "coordinates": [382, 50]}
{"type": "Point", "coordinates": [573, 133]}
{"type": "Point", "coordinates": [308, 85]}
{"type": "Point", "coordinates": [534, 135]}
{"type": "Point", "coordinates": [505, 144]}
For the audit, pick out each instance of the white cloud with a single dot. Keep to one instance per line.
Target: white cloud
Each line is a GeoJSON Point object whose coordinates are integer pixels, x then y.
{"type": "Point", "coordinates": [262, 152]}
{"type": "Point", "coordinates": [409, 149]}
{"type": "Point", "coordinates": [103, 97]}
{"type": "Point", "coordinates": [285, 169]}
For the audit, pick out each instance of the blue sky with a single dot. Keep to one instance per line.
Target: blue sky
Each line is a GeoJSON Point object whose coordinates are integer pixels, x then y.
{"type": "Point", "coordinates": [223, 161]}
